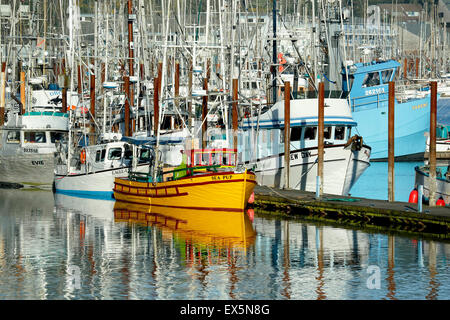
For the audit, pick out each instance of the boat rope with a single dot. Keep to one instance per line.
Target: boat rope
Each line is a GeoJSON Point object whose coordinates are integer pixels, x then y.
{"type": "Point", "coordinates": [328, 79]}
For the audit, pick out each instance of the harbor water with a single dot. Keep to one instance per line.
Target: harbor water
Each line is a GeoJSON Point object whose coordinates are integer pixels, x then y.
{"type": "Point", "coordinates": [62, 247]}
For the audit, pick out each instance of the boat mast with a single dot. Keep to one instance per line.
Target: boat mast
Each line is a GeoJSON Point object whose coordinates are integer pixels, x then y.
{"type": "Point", "coordinates": [163, 74]}
{"type": "Point", "coordinates": [274, 51]}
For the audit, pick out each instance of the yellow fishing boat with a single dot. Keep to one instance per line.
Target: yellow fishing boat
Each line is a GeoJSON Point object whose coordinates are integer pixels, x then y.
{"type": "Point", "coordinates": [202, 227]}
{"type": "Point", "coordinates": [213, 187]}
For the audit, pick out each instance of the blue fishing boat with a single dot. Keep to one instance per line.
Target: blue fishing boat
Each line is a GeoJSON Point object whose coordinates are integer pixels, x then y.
{"type": "Point", "coordinates": [367, 90]}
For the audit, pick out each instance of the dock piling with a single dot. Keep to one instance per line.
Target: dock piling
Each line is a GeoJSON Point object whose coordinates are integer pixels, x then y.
{"type": "Point", "coordinates": [391, 160]}
{"type": "Point", "coordinates": [432, 155]}
{"type": "Point", "coordinates": [287, 131]}
{"type": "Point", "coordinates": [320, 138]}
{"type": "Point", "coordinates": [419, 198]}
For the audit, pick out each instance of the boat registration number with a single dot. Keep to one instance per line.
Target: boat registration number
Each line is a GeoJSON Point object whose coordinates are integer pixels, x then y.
{"type": "Point", "coordinates": [29, 150]}
{"type": "Point", "coordinates": [119, 171]}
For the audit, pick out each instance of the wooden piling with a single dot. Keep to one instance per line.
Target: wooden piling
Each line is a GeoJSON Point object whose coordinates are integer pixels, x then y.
{"type": "Point", "coordinates": [417, 67]}
{"type": "Point", "coordinates": [391, 163]}
{"type": "Point", "coordinates": [320, 136]}
{"type": "Point", "coordinates": [432, 153]}
{"type": "Point", "coordinates": [64, 93]}
{"type": "Point", "coordinates": [177, 83]}
{"type": "Point", "coordinates": [204, 114]}
{"type": "Point", "coordinates": [126, 80]}
{"type": "Point", "coordinates": [92, 110]}
{"type": "Point", "coordinates": [235, 113]}
{"type": "Point", "coordinates": [80, 86]}
{"type": "Point", "coordinates": [405, 68]}
{"type": "Point", "coordinates": [155, 106]}
{"type": "Point", "coordinates": [3, 94]}
{"type": "Point", "coordinates": [287, 131]}
{"type": "Point", "coordinates": [22, 91]}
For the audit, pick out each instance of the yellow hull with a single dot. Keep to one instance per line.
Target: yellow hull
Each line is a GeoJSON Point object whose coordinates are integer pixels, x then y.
{"type": "Point", "coordinates": [204, 227]}
{"type": "Point", "coordinates": [222, 191]}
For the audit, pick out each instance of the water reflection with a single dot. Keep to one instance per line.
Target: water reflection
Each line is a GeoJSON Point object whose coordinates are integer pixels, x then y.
{"type": "Point", "coordinates": [121, 251]}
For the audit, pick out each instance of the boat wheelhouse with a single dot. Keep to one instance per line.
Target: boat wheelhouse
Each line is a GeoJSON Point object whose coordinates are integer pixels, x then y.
{"type": "Point", "coordinates": [261, 145]}
{"type": "Point", "coordinates": [27, 147]}
{"type": "Point", "coordinates": [366, 86]}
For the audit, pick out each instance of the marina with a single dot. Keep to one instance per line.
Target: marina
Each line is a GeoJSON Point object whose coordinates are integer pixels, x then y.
{"type": "Point", "coordinates": [224, 150]}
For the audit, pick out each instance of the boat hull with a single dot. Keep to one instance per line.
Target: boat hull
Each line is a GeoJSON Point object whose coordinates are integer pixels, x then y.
{"type": "Point", "coordinates": [97, 184]}
{"type": "Point", "coordinates": [224, 191]}
{"type": "Point", "coordinates": [342, 167]}
{"type": "Point", "coordinates": [411, 120]}
{"type": "Point", "coordinates": [442, 185]}
{"type": "Point", "coordinates": [27, 169]}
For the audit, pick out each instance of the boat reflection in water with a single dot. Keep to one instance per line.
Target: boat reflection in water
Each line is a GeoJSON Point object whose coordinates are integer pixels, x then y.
{"type": "Point", "coordinates": [220, 229]}
{"type": "Point", "coordinates": [92, 207]}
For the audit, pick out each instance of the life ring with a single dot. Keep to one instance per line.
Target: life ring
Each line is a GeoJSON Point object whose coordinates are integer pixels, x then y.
{"type": "Point", "coordinates": [83, 156]}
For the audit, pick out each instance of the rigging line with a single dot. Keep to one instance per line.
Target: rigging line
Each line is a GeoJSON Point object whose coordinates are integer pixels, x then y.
{"type": "Point", "coordinates": [298, 53]}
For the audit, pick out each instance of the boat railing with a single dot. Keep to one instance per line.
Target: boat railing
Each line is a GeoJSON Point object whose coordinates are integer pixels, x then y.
{"type": "Point", "coordinates": [209, 157]}
{"type": "Point", "coordinates": [358, 102]}
{"type": "Point", "coordinates": [174, 174]}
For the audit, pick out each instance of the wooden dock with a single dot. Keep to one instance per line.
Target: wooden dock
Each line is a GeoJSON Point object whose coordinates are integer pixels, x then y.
{"type": "Point", "coordinates": [367, 214]}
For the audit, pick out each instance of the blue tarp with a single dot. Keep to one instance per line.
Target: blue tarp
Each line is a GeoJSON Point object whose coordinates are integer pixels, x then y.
{"type": "Point", "coordinates": [152, 140]}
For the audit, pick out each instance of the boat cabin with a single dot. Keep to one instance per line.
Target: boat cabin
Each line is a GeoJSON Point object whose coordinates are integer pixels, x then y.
{"type": "Point", "coordinates": [265, 137]}
{"type": "Point", "coordinates": [366, 84]}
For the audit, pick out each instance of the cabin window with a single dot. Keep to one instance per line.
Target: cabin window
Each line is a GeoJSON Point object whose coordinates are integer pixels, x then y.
{"type": "Point", "coordinates": [351, 78]}
{"type": "Point", "coordinates": [339, 133]}
{"type": "Point", "coordinates": [145, 155]}
{"type": "Point", "coordinates": [167, 123]}
{"type": "Point", "coordinates": [327, 132]}
{"type": "Point", "coordinates": [386, 75]}
{"type": "Point", "coordinates": [56, 136]}
{"type": "Point", "coordinates": [371, 79]}
{"type": "Point", "coordinates": [296, 133]}
{"type": "Point", "coordinates": [35, 137]}
{"type": "Point", "coordinates": [115, 154]}
{"type": "Point", "coordinates": [98, 155]}
{"type": "Point", "coordinates": [103, 155]}
{"type": "Point", "coordinates": [128, 152]}
{"type": "Point", "coordinates": [349, 132]}
{"type": "Point", "coordinates": [310, 133]}
{"type": "Point", "coordinates": [13, 137]}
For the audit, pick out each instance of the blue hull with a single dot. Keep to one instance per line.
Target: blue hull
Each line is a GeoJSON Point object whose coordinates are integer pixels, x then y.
{"type": "Point", "coordinates": [100, 195]}
{"type": "Point", "coordinates": [412, 121]}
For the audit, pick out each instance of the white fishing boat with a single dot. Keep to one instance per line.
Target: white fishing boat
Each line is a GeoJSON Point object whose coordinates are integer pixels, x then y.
{"type": "Point", "coordinates": [345, 157]}
{"type": "Point", "coordinates": [92, 169]}
{"type": "Point", "coordinates": [27, 146]}
{"type": "Point", "coordinates": [442, 181]}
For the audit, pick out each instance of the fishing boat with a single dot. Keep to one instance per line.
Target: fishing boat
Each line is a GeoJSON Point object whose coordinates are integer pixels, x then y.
{"type": "Point", "coordinates": [442, 181]}
{"type": "Point", "coordinates": [27, 146]}
{"type": "Point", "coordinates": [202, 227]}
{"type": "Point", "coordinates": [92, 169]}
{"type": "Point", "coordinates": [367, 90]}
{"type": "Point", "coordinates": [345, 157]}
{"type": "Point", "coordinates": [212, 183]}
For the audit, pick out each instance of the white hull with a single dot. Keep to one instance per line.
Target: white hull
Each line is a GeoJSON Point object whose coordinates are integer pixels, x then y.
{"type": "Point", "coordinates": [27, 169]}
{"type": "Point", "coordinates": [97, 184]}
{"type": "Point", "coordinates": [342, 168]}
{"type": "Point", "coordinates": [442, 185]}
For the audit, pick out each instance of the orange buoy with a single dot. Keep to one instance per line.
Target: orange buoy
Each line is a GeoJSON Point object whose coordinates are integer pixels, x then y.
{"type": "Point", "coordinates": [413, 196]}
{"type": "Point", "coordinates": [251, 214]}
{"type": "Point", "coordinates": [83, 156]}
{"type": "Point", "coordinates": [252, 198]}
{"type": "Point", "coordinates": [440, 202]}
